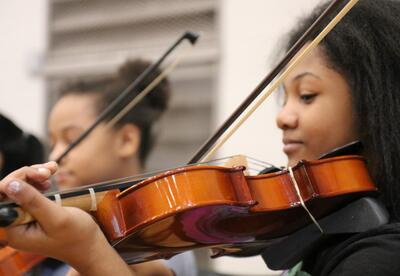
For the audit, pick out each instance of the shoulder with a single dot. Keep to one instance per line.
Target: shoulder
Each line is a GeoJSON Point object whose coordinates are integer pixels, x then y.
{"type": "Point", "coordinates": [374, 252]}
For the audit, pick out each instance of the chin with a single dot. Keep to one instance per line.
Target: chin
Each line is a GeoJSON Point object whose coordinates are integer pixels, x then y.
{"type": "Point", "coordinates": [292, 161]}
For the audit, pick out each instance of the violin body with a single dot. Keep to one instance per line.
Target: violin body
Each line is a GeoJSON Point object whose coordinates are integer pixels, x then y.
{"type": "Point", "coordinates": [221, 208]}
{"type": "Point", "coordinates": [164, 215]}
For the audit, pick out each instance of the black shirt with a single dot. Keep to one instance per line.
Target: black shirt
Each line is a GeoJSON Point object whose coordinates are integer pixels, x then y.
{"type": "Point", "coordinates": [375, 252]}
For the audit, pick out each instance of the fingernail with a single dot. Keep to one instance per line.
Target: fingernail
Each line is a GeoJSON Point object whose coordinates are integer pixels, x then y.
{"type": "Point", "coordinates": [53, 164]}
{"type": "Point", "coordinates": [44, 171]}
{"type": "Point", "coordinates": [13, 187]}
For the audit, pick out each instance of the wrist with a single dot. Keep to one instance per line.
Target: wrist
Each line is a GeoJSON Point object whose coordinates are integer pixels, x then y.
{"type": "Point", "coordinates": [100, 259]}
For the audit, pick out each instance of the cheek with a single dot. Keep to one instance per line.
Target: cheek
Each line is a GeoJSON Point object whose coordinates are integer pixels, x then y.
{"type": "Point", "coordinates": [322, 139]}
{"type": "Point", "coordinates": [334, 128]}
{"type": "Point", "coordinates": [85, 158]}
{"type": "Point", "coordinates": [101, 161]}
{"type": "Point", "coordinates": [91, 169]}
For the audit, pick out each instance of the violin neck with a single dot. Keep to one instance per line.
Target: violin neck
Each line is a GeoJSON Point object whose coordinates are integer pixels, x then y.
{"type": "Point", "coordinates": [87, 202]}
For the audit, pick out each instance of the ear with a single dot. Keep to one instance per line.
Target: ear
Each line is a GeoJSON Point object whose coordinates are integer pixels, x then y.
{"type": "Point", "coordinates": [128, 142]}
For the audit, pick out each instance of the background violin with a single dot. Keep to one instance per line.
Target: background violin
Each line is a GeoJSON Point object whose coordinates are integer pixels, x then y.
{"type": "Point", "coordinates": [16, 262]}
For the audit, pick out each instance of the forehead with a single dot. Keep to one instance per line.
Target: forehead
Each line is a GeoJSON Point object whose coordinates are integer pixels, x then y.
{"type": "Point", "coordinates": [73, 110]}
{"type": "Point", "coordinates": [315, 62]}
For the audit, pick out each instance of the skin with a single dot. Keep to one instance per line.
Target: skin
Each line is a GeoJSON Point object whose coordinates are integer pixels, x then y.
{"type": "Point", "coordinates": [316, 116]}
{"type": "Point", "coordinates": [69, 118]}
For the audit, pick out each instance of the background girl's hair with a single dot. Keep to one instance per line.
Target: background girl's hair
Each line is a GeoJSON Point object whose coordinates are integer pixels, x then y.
{"type": "Point", "coordinates": [365, 48]}
{"type": "Point", "coordinates": [143, 115]}
{"type": "Point", "coordinates": [18, 148]}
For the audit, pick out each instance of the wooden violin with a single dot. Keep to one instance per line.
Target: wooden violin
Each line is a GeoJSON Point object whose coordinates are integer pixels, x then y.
{"type": "Point", "coordinates": [211, 206]}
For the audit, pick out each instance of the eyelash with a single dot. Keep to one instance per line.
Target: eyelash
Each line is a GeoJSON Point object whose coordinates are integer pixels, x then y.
{"type": "Point", "coordinates": [307, 97]}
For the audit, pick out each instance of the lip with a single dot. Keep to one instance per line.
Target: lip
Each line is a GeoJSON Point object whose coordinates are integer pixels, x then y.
{"type": "Point", "coordinates": [290, 146]}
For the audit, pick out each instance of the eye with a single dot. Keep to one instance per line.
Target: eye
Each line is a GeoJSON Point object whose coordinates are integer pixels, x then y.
{"type": "Point", "coordinates": [71, 135]}
{"type": "Point", "coordinates": [308, 97]}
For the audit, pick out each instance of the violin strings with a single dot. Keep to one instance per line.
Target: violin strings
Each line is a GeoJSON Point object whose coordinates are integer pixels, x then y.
{"type": "Point", "coordinates": [117, 183]}
{"type": "Point", "coordinates": [126, 180]}
{"type": "Point", "coordinates": [296, 186]}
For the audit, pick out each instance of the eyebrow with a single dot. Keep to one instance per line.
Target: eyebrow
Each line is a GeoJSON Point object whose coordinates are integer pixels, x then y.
{"type": "Point", "coordinates": [302, 75]}
{"type": "Point", "coordinates": [66, 129]}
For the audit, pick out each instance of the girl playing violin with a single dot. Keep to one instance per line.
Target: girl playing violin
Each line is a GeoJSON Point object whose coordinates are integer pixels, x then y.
{"type": "Point", "coordinates": [348, 89]}
{"type": "Point", "coordinates": [110, 152]}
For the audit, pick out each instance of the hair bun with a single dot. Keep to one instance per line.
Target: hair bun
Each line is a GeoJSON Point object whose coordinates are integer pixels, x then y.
{"type": "Point", "coordinates": [131, 70]}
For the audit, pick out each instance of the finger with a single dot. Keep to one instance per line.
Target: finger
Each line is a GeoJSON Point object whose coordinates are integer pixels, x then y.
{"type": "Point", "coordinates": [52, 166]}
{"type": "Point", "coordinates": [47, 213]}
{"type": "Point", "coordinates": [41, 172]}
{"type": "Point", "coordinates": [40, 185]}
{"type": "Point", "coordinates": [25, 237]}
{"type": "Point", "coordinates": [36, 175]}
{"type": "Point", "coordinates": [46, 170]}
{"type": "Point", "coordinates": [73, 272]}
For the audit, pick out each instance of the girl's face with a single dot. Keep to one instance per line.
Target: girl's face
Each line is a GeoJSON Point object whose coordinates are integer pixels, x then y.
{"type": "Point", "coordinates": [97, 158]}
{"type": "Point", "coordinates": [316, 115]}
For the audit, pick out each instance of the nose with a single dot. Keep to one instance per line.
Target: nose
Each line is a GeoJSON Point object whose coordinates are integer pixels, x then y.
{"type": "Point", "coordinates": [287, 117]}
{"type": "Point", "coordinates": [56, 151]}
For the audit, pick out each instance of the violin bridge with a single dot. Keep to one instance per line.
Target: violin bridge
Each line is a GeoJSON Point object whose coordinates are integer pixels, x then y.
{"type": "Point", "coordinates": [237, 161]}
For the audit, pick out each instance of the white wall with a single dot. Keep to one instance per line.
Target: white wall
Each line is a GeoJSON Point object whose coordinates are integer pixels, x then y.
{"type": "Point", "coordinates": [250, 31]}
{"type": "Point", "coordinates": [22, 45]}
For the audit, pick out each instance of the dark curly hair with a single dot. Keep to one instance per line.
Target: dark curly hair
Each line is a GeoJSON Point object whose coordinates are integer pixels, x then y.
{"type": "Point", "coordinates": [18, 148]}
{"type": "Point", "coordinates": [142, 115]}
{"type": "Point", "coordinates": [365, 48]}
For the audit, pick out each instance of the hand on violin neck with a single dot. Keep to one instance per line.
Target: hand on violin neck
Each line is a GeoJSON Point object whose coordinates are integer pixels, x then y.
{"type": "Point", "coordinates": [65, 233]}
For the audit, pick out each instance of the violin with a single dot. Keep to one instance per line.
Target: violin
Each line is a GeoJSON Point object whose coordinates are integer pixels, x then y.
{"type": "Point", "coordinates": [209, 206]}
{"type": "Point", "coordinates": [215, 206]}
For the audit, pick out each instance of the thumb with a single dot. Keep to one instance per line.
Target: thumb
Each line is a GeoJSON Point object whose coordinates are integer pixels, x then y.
{"type": "Point", "coordinates": [46, 212]}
